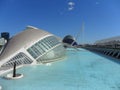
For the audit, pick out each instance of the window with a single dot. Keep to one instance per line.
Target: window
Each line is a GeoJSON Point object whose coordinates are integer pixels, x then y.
{"type": "Point", "coordinates": [42, 46]}
{"type": "Point", "coordinates": [20, 58]}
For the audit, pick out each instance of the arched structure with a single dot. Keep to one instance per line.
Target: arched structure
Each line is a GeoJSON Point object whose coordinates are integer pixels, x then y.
{"type": "Point", "coordinates": [32, 46]}
{"type": "Point", "coordinates": [70, 40]}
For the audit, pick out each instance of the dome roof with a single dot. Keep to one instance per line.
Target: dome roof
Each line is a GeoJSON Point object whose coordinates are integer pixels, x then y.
{"type": "Point", "coordinates": [69, 37]}
{"type": "Point", "coordinates": [69, 40]}
{"type": "Point", "coordinates": [23, 40]}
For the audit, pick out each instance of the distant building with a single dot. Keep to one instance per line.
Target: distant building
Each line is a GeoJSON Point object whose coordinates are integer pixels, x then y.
{"type": "Point", "coordinates": [32, 46]}
{"type": "Point", "coordinates": [2, 41]}
{"type": "Point", "coordinates": [109, 41]}
{"type": "Point", "coordinates": [69, 40]}
{"type": "Point", "coordinates": [5, 35]}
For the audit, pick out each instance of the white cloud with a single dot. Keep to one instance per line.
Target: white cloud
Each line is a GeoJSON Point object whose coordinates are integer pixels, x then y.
{"type": "Point", "coordinates": [71, 6]}
{"type": "Point", "coordinates": [71, 3]}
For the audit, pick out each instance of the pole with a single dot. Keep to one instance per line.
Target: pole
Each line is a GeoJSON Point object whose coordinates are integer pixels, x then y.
{"type": "Point", "coordinates": [14, 69]}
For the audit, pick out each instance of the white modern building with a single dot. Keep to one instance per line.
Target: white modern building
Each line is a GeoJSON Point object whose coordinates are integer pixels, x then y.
{"type": "Point", "coordinates": [109, 41]}
{"type": "Point", "coordinates": [31, 46]}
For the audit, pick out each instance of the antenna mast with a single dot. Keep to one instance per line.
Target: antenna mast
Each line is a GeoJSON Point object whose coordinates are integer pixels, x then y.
{"type": "Point", "coordinates": [81, 32]}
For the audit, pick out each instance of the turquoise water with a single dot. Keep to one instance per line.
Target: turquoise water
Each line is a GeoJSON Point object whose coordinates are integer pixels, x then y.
{"type": "Point", "coordinates": [81, 70]}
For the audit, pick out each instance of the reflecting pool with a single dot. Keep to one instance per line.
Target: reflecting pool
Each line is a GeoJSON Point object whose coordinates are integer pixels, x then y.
{"type": "Point", "coordinates": [80, 70]}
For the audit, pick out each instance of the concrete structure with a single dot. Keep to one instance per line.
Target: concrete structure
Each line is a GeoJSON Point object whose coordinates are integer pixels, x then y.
{"type": "Point", "coordinates": [5, 35]}
{"type": "Point", "coordinates": [109, 41]}
{"type": "Point", "coordinates": [106, 51]}
{"type": "Point", "coordinates": [2, 41]}
{"type": "Point", "coordinates": [31, 46]}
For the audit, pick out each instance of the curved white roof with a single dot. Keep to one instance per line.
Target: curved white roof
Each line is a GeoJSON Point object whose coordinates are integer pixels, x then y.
{"type": "Point", "coordinates": [22, 40]}
{"type": "Point", "coordinates": [108, 40]}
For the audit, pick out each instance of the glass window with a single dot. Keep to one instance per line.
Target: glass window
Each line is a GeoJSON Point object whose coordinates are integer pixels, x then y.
{"type": "Point", "coordinates": [31, 52]}
{"type": "Point", "coordinates": [39, 48]}
{"type": "Point", "coordinates": [36, 52]}
{"type": "Point", "coordinates": [42, 46]}
{"type": "Point", "coordinates": [19, 59]}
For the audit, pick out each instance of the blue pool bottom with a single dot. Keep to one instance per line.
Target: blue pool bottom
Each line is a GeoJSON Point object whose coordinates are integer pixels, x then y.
{"type": "Point", "coordinates": [80, 70]}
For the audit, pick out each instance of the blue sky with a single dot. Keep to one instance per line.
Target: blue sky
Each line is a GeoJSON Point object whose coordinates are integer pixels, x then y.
{"type": "Point", "coordinates": [61, 17]}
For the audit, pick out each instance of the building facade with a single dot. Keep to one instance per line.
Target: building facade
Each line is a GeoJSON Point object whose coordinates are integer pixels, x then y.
{"type": "Point", "coordinates": [32, 46]}
{"type": "Point", "coordinates": [109, 41]}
